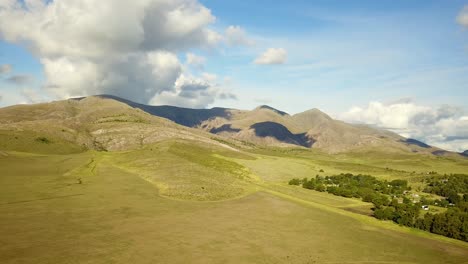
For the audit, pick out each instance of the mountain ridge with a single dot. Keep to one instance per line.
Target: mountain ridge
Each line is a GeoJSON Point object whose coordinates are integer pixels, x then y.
{"type": "Point", "coordinates": [97, 122]}
{"type": "Point", "coordinates": [311, 128]}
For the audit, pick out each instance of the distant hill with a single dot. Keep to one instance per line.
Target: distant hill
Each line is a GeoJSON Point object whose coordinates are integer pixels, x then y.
{"type": "Point", "coordinates": [269, 126]}
{"type": "Point", "coordinates": [93, 122]}
{"type": "Point", "coordinates": [464, 153]}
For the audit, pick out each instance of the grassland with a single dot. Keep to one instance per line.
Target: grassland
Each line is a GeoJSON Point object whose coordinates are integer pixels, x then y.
{"type": "Point", "coordinates": [179, 201]}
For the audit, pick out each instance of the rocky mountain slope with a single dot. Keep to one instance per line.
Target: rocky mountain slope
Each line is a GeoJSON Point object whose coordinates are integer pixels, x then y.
{"type": "Point", "coordinates": [269, 126]}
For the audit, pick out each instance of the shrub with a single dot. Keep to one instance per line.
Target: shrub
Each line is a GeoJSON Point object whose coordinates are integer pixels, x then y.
{"type": "Point", "coordinates": [43, 140]}
{"type": "Point", "coordinates": [295, 182]}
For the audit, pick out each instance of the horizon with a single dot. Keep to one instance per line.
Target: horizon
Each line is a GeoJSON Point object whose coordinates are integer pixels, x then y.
{"type": "Point", "coordinates": [396, 65]}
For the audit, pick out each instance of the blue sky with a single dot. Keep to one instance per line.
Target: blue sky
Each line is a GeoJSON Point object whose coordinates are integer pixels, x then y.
{"type": "Point", "coordinates": [337, 56]}
{"type": "Point", "coordinates": [351, 52]}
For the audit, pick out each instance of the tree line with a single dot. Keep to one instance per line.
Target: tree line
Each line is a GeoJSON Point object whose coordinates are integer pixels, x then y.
{"type": "Point", "coordinates": [390, 203]}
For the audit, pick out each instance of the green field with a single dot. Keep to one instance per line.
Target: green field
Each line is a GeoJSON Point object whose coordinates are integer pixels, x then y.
{"type": "Point", "coordinates": [181, 202]}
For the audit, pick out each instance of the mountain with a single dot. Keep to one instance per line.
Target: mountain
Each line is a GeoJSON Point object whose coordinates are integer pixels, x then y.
{"type": "Point", "coordinates": [86, 123]}
{"type": "Point", "coordinates": [107, 122]}
{"type": "Point", "coordinates": [269, 126]}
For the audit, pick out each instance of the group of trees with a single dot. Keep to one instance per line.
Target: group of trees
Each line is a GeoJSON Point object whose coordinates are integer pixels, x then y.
{"type": "Point", "coordinates": [383, 194]}
{"type": "Point", "coordinates": [401, 213]}
{"type": "Point", "coordinates": [453, 223]}
{"type": "Point", "coordinates": [359, 186]}
{"type": "Point", "coordinates": [448, 186]}
{"type": "Point", "coordinates": [314, 184]}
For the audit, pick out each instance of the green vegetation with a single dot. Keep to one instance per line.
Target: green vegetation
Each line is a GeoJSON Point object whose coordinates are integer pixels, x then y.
{"type": "Point", "coordinates": [452, 223]}
{"type": "Point", "coordinates": [448, 186]}
{"type": "Point", "coordinates": [189, 171]}
{"type": "Point", "coordinates": [29, 141]}
{"type": "Point", "coordinates": [115, 216]}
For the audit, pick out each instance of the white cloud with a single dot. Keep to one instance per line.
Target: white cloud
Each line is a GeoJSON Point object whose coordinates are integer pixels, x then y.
{"type": "Point", "coordinates": [236, 36]}
{"type": "Point", "coordinates": [12, 96]}
{"type": "Point", "coordinates": [124, 48]}
{"type": "Point", "coordinates": [5, 69]}
{"type": "Point", "coordinates": [462, 18]}
{"type": "Point", "coordinates": [444, 126]}
{"type": "Point", "coordinates": [193, 92]}
{"type": "Point", "coordinates": [32, 96]}
{"type": "Point", "coordinates": [195, 61]}
{"type": "Point", "coordinates": [135, 77]}
{"type": "Point", "coordinates": [272, 56]}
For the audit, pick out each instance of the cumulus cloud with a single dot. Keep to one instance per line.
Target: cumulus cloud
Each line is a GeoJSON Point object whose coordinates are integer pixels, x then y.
{"type": "Point", "coordinates": [20, 79]}
{"type": "Point", "coordinates": [16, 96]}
{"type": "Point", "coordinates": [124, 48]}
{"type": "Point", "coordinates": [236, 36]}
{"type": "Point", "coordinates": [462, 18]}
{"type": "Point", "coordinates": [193, 92]}
{"type": "Point", "coordinates": [5, 69]}
{"type": "Point", "coordinates": [444, 126]}
{"type": "Point", "coordinates": [32, 96]}
{"type": "Point", "coordinates": [272, 56]}
{"type": "Point", "coordinates": [195, 61]}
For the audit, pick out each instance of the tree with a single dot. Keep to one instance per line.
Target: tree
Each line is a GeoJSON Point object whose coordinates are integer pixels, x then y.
{"type": "Point", "coordinates": [379, 200]}
{"type": "Point", "coordinates": [320, 187]}
{"type": "Point", "coordinates": [309, 184]}
{"type": "Point", "coordinates": [453, 197]}
{"type": "Point", "coordinates": [295, 182]}
{"type": "Point", "coordinates": [454, 223]}
{"type": "Point", "coordinates": [384, 213]}
{"type": "Point", "coordinates": [439, 225]}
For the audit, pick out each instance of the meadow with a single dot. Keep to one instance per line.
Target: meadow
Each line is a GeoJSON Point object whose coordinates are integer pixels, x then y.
{"type": "Point", "coordinates": [179, 201]}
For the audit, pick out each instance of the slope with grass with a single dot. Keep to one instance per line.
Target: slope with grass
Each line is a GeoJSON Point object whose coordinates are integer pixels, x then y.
{"type": "Point", "coordinates": [88, 123]}
{"type": "Point", "coordinates": [93, 208]}
{"type": "Point", "coordinates": [97, 181]}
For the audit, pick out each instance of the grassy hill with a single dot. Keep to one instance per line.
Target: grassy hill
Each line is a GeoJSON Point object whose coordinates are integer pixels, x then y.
{"type": "Point", "coordinates": [94, 180]}
{"type": "Point", "coordinates": [88, 123]}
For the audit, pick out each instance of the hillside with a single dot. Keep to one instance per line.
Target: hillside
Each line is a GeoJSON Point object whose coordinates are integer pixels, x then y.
{"type": "Point", "coordinates": [266, 125]}
{"type": "Point", "coordinates": [76, 125]}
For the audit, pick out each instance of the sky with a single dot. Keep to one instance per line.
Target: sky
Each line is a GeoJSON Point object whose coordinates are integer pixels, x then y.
{"type": "Point", "coordinates": [399, 65]}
